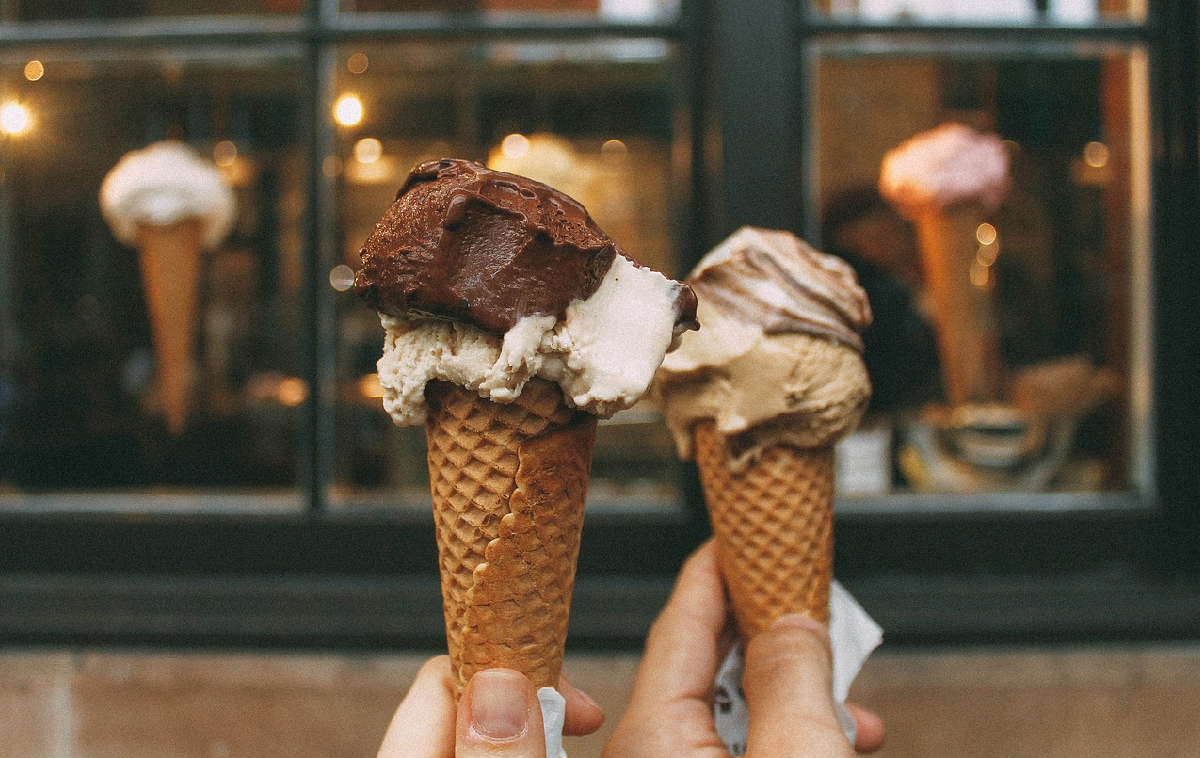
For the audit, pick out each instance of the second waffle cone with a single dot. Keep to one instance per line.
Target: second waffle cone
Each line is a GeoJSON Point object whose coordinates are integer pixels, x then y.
{"type": "Point", "coordinates": [508, 482]}
{"type": "Point", "coordinates": [773, 524]}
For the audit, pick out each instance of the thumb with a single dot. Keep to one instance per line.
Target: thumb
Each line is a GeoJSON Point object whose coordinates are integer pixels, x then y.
{"type": "Point", "coordinates": [788, 682]}
{"type": "Point", "coordinates": [499, 717]}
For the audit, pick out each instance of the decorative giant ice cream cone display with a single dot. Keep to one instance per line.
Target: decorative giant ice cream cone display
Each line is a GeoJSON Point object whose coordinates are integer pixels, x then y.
{"type": "Point", "coordinates": [759, 396]}
{"type": "Point", "coordinates": [171, 205]}
{"type": "Point", "coordinates": [512, 322]}
{"type": "Point", "coordinates": [948, 181]}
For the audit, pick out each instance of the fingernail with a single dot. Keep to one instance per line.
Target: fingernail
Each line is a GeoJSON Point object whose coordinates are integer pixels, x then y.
{"type": "Point", "coordinates": [585, 697]}
{"type": "Point", "coordinates": [801, 621]}
{"type": "Point", "coordinates": [499, 708]}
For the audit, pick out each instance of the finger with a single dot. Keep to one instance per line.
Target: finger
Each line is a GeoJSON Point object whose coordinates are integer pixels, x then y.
{"type": "Point", "coordinates": [499, 717]}
{"type": "Point", "coordinates": [788, 686]}
{"type": "Point", "coordinates": [423, 726]}
{"type": "Point", "coordinates": [683, 647]}
{"type": "Point", "coordinates": [871, 729]}
{"type": "Point", "coordinates": [671, 712]}
{"type": "Point", "coordinates": [584, 715]}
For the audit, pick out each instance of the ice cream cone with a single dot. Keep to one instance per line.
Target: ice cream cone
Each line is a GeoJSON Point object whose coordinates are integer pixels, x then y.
{"type": "Point", "coordinates": [773, 523]}
{"type": "Point", "coordinates": [170, 263]}
{"type": "Point", "coordinates": [508, 482]}
{"type": "Point", "coordinates": [963, 306]}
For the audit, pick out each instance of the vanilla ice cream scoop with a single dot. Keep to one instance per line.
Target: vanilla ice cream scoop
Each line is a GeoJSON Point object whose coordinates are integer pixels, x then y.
{"type": "Point", "coordinates": [778, 360]}
{"type": "Point", "coordinates": [944, 166]}
{"type": "Point", "coordinates": [488, 279]}
{"type": "Point", "coordinates": [163, 184]}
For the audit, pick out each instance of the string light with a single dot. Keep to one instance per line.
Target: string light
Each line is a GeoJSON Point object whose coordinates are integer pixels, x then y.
{"type": "Point", "coordinates": [368, 150]}
{"type": "Point", "coordinates": [14, 118]}
{"type": "Point", "coordinates": [348, 111]}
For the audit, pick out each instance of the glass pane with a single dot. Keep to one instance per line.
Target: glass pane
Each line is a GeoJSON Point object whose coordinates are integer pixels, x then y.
{"type": "Point", "coordinates": [624, 11]}
{"type": "Point", "coordinates": [1009, 351]}
{"type": "Point", "coordinates": [596, 120]}
{"type": "Point", "coordinates": [1068, 12]}
{"type": "Point", "coordinates": [66, 10]}
{"type": "Point", "coordinates": [155, 345]}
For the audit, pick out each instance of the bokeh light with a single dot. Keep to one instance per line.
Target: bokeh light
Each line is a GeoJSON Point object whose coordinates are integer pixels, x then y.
{"type": "Point", "coordinates": [15, 118]}
{"type": "Point", "coordinates": [348, 111]}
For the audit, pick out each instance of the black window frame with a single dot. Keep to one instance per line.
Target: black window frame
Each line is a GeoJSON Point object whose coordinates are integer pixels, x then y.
{"type": "Point", "coordinates": [938, 569]}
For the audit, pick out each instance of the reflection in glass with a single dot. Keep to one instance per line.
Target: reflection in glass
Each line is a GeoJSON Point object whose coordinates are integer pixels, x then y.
{"type": "Point", "coordinates": [1065, 12]}
{"type": "Point", "coordinates": [595, 120]}
{"type": "Point", "coordinates": [66, 10]}
{"type": "Point", "coordinates": [624, 11]}
{"type": "Point", "coordinates": [1043, 388]}
{"type": "Point", "coordinates": [85, 404]}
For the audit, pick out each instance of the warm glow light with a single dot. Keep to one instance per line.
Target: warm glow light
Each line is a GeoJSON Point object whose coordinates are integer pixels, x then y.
{"type": "Point", "coordinates": [341, 277]}
{"type": "Point", "coordinates": [358, 63]}
{"type": "Point", "coordinates": [225, 153]}
{"type": "Point", "coordinates": [292, 391]}
{"type": "Point", "coordinates": [34, 70]}
{"type": "Point", "coordinates": [614, 147]}
{"type": "Point", "coordinates": [981, 276]}
{"type": "Point", "coordinates": [369, 387]}
{"type": "Point", "coordinates": [348, 111]}
{"type": "Point", "coordinates": [1095, 154]}
{"type": "Point", "coordinates": [515, 146]}
{"type": "Point", "coordinates": [986, 255]}
{"type": "Point", "coordinates": [368, 150]}
{"type": "Point", "coordinates": [14, 118]}
{"type": "Point", "coordinates": [985, 234]}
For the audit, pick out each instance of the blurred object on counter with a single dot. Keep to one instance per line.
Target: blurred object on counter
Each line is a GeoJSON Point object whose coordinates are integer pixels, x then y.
{"type": "Point", "coordinates": [1024, 447]}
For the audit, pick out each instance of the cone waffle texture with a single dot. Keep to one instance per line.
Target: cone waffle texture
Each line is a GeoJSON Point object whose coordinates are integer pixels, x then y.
{"type": "Point", "coordinates": [170, 262]}
{"type": "Point", "coordinates": [508, 482]}
{"type": "Point", "coordinates": [773, 523]}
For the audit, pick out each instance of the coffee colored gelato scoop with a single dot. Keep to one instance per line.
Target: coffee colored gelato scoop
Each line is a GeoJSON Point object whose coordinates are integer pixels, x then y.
{"type": "Point", "coordinates": [778, 360]}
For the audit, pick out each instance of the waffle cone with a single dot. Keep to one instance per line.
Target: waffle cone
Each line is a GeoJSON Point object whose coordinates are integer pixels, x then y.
{"type": "Point", "coordinates": [508, 482]}
{"type": "Point", "coordinates": [170, 263]}
{"type": "Point", "coordinates": [963, 310]}
{"type": "Point", "coordinates": [773, 524]}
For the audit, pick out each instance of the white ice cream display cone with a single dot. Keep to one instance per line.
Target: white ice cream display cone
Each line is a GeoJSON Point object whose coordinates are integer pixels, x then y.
{"type": "Point", "coordinates": [171, 205]}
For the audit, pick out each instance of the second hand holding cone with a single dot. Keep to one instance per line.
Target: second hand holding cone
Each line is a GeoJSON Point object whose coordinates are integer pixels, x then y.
{"type": "Point", "coordinates": [512, 323]}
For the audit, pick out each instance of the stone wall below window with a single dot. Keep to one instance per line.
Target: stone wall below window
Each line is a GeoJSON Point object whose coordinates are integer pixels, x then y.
{"type": "Point", "coordinates": [1100, 702]}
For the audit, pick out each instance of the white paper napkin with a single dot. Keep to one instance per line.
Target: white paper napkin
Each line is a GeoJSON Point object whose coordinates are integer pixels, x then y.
{"type": "Point", "coordinates": [853, 635]}
{"type": "Point", "coordinates": [554, 713]}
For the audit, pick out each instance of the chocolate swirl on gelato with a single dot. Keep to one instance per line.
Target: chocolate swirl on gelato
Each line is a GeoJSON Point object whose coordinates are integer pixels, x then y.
{"type": "Point", "coordinates": [784, 286]}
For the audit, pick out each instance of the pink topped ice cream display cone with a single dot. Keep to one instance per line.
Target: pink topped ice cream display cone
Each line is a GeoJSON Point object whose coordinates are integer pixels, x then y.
{"type": "Point", "coordinates": [948, 181]}
{"type": "Point", "coordinates": [171, 205]}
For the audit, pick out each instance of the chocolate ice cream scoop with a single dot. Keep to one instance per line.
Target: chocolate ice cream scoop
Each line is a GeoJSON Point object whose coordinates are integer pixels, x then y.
{"type": "Point", "coordinates": [483, 247]}
{"type": "Point", "coordinates": [487, 279]}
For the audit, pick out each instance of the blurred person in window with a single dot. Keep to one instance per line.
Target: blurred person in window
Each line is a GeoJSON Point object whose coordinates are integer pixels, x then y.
{"type": "Point", "coordinates": [900, 345]}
